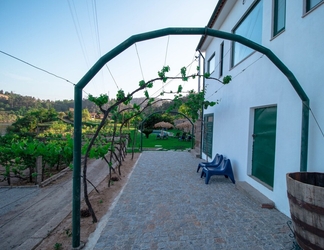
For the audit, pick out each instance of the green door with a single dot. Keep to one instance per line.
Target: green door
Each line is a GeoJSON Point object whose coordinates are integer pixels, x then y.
{"type": "Point", "coordinates": [264, 144]}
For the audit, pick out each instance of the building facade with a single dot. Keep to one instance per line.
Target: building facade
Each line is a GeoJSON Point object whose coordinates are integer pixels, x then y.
{"type": "Point", "coordinates": [258, 121]}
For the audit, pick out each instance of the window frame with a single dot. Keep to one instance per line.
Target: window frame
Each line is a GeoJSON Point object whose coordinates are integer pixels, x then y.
{"type": "Point", "coordinates": [211, 59]}
{"type": "Point", "coordinates": [243, 18]}
{"type": "Point", "coordinates": [308, 8]}
{"type": "Point", "coordinates": [275, 30]}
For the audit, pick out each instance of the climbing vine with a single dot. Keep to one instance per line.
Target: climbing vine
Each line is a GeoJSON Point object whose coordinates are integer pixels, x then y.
{"type": "Point", "coordinates": [194, 100]}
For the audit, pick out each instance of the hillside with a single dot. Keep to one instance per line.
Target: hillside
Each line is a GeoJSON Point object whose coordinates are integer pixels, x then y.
{"type": "Point", "coordinates": [10, 101]}
{"type": "Point", "coordinates": [13, 105]}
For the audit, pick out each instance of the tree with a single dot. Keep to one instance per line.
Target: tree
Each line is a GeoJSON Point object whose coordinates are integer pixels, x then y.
{"type": "Point", "coordinates": [151, 120]}
{"type": "Point", "coordinates": [28, 123]}
{"type": "Point", "coordinates": [71, 114]}
{"type": "Point", "coordinates": [85, 115]}
{"type": "Point", "coordinates": [61, 115]}
{"type": "Point", "coordinates": [184, 109]}
{"type": "Point", "coordinates": [58, 127]}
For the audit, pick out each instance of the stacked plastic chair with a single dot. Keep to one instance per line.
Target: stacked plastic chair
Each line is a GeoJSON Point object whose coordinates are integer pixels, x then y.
{"type": "Point", "coordinates": [224, 168]}
{"type": "Point", "coordinates": [215, 162]}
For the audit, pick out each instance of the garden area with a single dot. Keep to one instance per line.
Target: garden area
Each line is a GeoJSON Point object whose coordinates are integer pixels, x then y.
{"type": "Point", "coordinates": [173, 141]}
{"type": "Point", "coordinates": [38, 146]}
{"type": "Point", "coordinates": [43, 141]}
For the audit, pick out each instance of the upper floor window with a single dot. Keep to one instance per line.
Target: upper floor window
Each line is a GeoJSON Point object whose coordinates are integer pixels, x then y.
{"type": "Point", "coordinates": [249, 27]}
{"type": "Point", "coordinates": [211, 64]}
{"type": "Point", "coordinates": [310, 4]}
{"type": "Point", "coordinates": [221, 59]}
{"type": "Point", "coordinates": [279, 16]}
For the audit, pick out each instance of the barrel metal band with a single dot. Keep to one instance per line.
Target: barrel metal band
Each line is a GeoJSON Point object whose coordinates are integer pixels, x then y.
{"type": "Point", "coordinates": [309, 207]}
{"type": "Point", "coordinates": [306, 244]}
{"type": "Point", "coordinates": [314, 230]}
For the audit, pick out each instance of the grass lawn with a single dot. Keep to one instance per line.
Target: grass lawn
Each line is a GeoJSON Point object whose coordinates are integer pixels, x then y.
{"type": "Point", "coordinates": [170, 143]}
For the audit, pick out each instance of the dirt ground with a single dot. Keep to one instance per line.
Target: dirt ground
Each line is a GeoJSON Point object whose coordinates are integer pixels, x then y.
{"type": "Point", "coordinates": [61, 237]}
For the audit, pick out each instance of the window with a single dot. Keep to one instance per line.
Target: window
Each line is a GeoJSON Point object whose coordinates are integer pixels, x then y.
{"type": "Point", "coordinates": [208, 135]}
{"type": "Point", "coordinates": [310, 4]}
{"type": "Point", "coordinates": [279, 16]}
{"type": "Point", "coordinates": [211, 64]}
{"type": "Point", "coordinates": [249, 27]}
{"type": "Point", "coordinates": [221, 58]}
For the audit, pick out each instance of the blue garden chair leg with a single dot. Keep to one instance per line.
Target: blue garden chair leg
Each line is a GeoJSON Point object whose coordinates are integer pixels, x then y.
{"type": "Point", "coordinates": [207, 178]}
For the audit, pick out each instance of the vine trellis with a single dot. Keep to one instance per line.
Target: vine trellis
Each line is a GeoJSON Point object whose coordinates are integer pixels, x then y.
{"type": "Point", "coordinates": [122, 98]}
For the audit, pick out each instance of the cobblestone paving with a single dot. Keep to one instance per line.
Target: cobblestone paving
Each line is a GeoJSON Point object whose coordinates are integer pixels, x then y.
{"type": "Point", "coordinates": [166, 205]}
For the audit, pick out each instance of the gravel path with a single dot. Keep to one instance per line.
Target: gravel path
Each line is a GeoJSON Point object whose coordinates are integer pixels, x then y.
{"type": "Point", "coordinates": [166, 205]}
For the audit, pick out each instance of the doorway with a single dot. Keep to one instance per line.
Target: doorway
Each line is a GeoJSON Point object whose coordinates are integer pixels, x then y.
{"type": "Point", "coordinates": [264, 144]}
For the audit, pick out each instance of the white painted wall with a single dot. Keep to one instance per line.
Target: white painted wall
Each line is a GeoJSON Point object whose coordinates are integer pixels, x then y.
{"type": "Point", "coordinates": [301, 48]}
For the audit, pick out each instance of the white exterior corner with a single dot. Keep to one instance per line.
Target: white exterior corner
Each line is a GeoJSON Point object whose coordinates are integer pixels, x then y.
{"type": "Point", "coordinates": [257, 82]}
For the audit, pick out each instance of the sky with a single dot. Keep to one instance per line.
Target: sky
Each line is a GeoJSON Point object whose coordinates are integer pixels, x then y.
{"type": "Point", "coordinates": [67, 37]}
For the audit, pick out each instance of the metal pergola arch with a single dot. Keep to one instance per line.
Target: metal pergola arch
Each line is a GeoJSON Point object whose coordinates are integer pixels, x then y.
{"type": "Point", "coordinates": [152, 35]}
{"type": "Point", "coordinates": [172, 112]}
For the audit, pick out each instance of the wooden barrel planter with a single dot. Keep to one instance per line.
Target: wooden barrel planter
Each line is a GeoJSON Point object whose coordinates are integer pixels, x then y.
{"type": "Point", "coordinates": [305, 192]}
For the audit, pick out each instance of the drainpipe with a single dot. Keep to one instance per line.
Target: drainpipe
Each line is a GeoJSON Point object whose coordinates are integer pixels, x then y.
{"type": "Point", "coordinates": [199, 63]}
{"type": "Point", "coordinates": [202, 108]}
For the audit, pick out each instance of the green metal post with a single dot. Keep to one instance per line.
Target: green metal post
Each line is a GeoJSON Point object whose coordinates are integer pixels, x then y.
{"type": "Point", "coordinates": [304, 136]}
{"type": "Point", "coordinates": [151, 35]}
{"type": "Point", "coordinates": [76, 167]}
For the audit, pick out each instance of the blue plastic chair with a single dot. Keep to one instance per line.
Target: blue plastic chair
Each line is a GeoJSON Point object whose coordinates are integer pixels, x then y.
{"type": "Point", "coordinates": [225, 168]}
{"type": "Point", "coordinates": [215, 162]}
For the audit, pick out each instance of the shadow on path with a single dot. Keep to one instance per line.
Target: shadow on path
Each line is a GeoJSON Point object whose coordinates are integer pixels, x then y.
{"type": "Point", "coordinates": [166, 205]}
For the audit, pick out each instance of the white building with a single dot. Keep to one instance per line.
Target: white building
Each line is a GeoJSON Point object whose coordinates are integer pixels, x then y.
{"type": "Point", "coordinates": [257, 123]}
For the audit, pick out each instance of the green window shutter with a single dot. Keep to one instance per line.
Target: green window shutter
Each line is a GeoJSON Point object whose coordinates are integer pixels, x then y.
{"type": "Point", "coordinates": [208, 135]}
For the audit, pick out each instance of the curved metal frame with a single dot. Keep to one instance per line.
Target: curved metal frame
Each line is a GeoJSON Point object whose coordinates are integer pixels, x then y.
{"type": "Point", "coordinates": [152, 35]}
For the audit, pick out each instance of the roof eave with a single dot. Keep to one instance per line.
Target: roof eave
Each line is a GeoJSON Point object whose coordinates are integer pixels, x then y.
{"type": "Point", "coordinates": [212, 21]}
